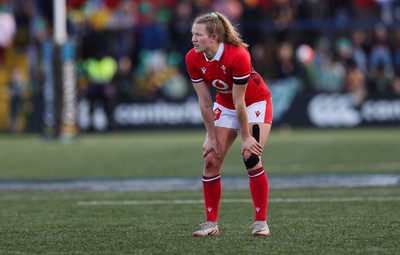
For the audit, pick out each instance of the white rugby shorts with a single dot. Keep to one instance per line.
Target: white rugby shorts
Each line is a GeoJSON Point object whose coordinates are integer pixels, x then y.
{"type": "Point", "coordinates": [259, 112]}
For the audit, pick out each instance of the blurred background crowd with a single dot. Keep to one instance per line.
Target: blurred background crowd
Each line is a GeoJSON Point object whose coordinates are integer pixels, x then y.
{"type": "Point", "coordinates": [136, 48]}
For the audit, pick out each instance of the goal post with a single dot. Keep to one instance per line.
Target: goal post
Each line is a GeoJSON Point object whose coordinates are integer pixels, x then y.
{"type": "Point", "coordinates": [60, 95]}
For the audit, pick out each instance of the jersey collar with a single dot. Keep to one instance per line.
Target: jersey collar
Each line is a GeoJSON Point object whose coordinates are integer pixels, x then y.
{"type": "Point", "coordinates": [218, 55]}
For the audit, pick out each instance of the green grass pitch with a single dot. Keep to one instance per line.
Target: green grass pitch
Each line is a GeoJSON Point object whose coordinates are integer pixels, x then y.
{"type": "Point", "coordinates": [170, 154]}
{"type": "Point", "coordinates": [57, 223]}
{"type": "Point", "coordinates": [302, 221]}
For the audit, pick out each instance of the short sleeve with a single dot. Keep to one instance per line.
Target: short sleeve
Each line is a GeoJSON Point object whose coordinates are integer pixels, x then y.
{"type": "Point", "coordinates": [241, 66]}
{"type": "Point", "coordinates": [191, 68]}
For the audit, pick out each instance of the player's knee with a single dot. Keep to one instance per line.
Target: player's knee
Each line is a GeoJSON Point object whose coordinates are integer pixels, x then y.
{"type": "Point", "coordinates": [252, 161]}
{"type": "Point", "coordinates": [210, 161]}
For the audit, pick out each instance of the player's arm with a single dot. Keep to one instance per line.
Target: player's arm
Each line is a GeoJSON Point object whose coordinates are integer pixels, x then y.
{"type": "Point", "coordinates": [248, 141]}
{"type": "Point", "coordinates": [238, 95]}
{"type": "Point", "coordinates": [241, 70]}
{"type": "Point", "coordinates": [206, 107]}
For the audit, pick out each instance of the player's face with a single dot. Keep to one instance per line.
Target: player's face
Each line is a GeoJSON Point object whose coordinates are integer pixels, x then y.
{"type": "Point", "coordinates": [200, 39]}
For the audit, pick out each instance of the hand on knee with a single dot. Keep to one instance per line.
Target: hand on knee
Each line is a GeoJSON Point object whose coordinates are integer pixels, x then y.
{"type": "Point", "coordinates": [250, 160]}
{"type": "Point", "coordinates": [211, 164]}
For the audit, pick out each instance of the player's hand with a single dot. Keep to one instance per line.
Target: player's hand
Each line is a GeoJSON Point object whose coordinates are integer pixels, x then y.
{"type": "Point", "coordinates": [251, 145]}
{"type": "Point", "coordinates": [246, 154]}
{"type": "Point", "coordinates": [209, 146]}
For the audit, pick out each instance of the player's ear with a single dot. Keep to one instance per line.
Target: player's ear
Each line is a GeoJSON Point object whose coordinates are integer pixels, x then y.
{"type": "Point", "coordinates": [214, 38]}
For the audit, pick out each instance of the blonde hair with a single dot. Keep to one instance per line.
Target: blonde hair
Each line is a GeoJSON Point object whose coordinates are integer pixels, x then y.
{"type": "Point", "coordinates": [218, 24]}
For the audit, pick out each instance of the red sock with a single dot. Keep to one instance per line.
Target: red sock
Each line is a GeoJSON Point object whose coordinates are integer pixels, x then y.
{"type": "Point", "coordinates": [212, 196]}
{"type": "Point", "coordinates": [259, 192]}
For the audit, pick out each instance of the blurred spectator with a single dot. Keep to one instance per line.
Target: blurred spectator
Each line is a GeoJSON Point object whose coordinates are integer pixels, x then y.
{"type": "Point", "coordinates": [380, 51]}
{"type": "Point", "coordinates": [263, 54]}
{"type": "Point", "coordinates": [359, 51]}
{"type": "Point", "coordinates": [396, 85]}
{"type": "Point", "coordinates": [151, 33]}
{"type": "Point", "coordinates": [75, 3]}
{"type": "Point", "coordinates": [283, 14]}
{"type": "Point", "coordinates": [365, 9]}
{"type": "Point", "coordinates": [8, 29]}
{"type": "Point", "coordinates": [330, 75]}
{"type": "Point", "coordinates": [180, 29]}
{"type": "Point", "coordinates": [396, 52]}
{"type": "Point", "coordinates": [344, 50]}
{"type": "Point", "coordinates": [341, 11]}
{"type": "Point", "coordinates": [250, 27]}
{"type": "Point", "coordinates": [305, 56]}
{"type": "Point", "coordinates": [380, 80]}
{"type": "Point", "coordinates": [286, 67]}
{"type": "Point", "coordinates": [396, 10]}
{"type": "Point", "coordinates": [355, 82]}
{"type": "Point", "coordinates": [380, 60]}
{"type": "Point", "coordinates": [233, 9]}
{"type": "Point", "coordinates": [202, 6]}
{"type": "Point", "coordinates": [322, 51]}
{"type": "Point", "coordinates": [312, 10]}
{"type": "Point", "coordinates": [100, 70]}
{"type": "Point", "coordinates": [124, 77]}
{"type": "Point", "coordinates": [386, 10]}
{"type": "Point", "coordinates": [18, 94]}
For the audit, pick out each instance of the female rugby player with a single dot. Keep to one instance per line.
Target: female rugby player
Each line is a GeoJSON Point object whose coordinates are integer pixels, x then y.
{"type": "Point", "coordinates": [220, 60]}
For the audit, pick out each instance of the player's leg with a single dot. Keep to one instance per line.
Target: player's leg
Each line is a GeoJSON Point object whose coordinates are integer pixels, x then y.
{"type": "Point", "coordinates": [212, 187]}
{"type": "Point", "coordinates": [226, 133]}
{"type": "Point", "coordinates": [258, 179]}
{"type": "Point", "coordinates": [225, 139]}
{"type": "Point", "coordinates": [258, 182]}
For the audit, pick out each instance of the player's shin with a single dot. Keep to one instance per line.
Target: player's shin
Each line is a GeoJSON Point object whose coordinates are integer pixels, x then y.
{"type": "Point", "coordinates": [259, 192]}
{"type": "Point", "coordinates": [212, 196]}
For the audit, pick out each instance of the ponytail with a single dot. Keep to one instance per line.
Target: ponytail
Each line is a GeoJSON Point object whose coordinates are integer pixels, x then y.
{"type": "Point", "coordinates": [218, 24]}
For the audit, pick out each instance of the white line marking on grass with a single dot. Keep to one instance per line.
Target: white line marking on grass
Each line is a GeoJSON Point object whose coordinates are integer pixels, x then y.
{"type": "Point", "coordinates": [329, 166]}
{"type": "Point", "coordinates": [191, 183]}
{"type": "Point", "coordinates": [332, 166]}
{"type": "Point", "coordinates": [139, 202]}
{"type": "Point", "coordinates": [242, 200]}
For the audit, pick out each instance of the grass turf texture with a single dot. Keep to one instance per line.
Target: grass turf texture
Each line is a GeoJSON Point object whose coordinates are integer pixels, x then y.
{"type": "Point", "coordinates": [56, 223]}
{"type": "Point", "coordinates": [170, 154]}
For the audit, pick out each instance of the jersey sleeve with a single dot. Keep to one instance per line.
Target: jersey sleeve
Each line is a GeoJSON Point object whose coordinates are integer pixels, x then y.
{"type": "Point", "coordinates": [241, 67]}
{"type": "Point", "coordinates": [191, 68]}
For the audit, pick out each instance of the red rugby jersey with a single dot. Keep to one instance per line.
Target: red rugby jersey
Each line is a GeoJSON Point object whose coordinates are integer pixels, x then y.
{"type": "Point", "coordinates": [230, 65]}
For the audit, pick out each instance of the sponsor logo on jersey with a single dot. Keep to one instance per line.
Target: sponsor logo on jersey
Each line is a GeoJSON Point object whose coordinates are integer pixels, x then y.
{"type": "Point", "coordinates": [219, 84]}
{"type": "Point", "coordinates": [204, 69]}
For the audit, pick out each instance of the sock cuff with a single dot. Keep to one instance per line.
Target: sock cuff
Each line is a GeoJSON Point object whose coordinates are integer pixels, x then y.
{"type": "Point", "coordinates": [257, 172]}
{"type": "Point", "coordinates": [211, 179]}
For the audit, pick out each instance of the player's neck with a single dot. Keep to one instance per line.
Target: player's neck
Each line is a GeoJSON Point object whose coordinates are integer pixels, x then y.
{"type": "Point", "coordinates": [211, 52]}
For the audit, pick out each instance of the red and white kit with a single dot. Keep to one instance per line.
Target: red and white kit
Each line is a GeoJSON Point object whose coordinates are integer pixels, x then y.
{"type": "Point", "coordinates": [231, 65]}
